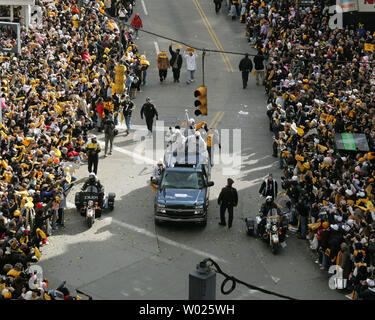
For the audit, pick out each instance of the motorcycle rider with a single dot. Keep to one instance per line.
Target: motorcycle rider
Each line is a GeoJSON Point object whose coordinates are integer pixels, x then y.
{"type": "Point", "coordinates": [265, 211]}
{"type": "Point", "coordinates": [94, 181]}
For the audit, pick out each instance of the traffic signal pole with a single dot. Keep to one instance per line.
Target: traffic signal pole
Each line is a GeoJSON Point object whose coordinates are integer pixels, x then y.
{"type": "Point", "coordinates": [203, 55]}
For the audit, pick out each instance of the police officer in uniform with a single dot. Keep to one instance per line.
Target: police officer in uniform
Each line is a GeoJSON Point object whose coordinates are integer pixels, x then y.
{"type": "Point", "coordinates": [228, 198]}
{"type": "Point", "coordinates": [92, 150]}
{"type": "Point", "coordinates": [149, 111]}
{"type": "Point", "coordinates": [245, 67]}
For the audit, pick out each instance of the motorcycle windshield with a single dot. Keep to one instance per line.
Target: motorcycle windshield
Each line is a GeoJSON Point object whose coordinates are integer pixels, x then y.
{"type": "Point", "coordinates": [92, 189]}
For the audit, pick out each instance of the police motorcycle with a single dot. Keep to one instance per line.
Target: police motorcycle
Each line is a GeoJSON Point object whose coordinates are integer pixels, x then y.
{"type": "Point", "coordinates": [271, 229]}
{"type": "Point", "coordinates": [91, 202]}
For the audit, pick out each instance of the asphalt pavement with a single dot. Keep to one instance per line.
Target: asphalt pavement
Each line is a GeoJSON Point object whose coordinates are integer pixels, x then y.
{"type": "Point", "coordinates": [124, 255]}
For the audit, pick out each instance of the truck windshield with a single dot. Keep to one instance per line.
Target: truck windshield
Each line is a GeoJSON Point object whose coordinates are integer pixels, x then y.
{"type": "Point", "coordinates": [183, 180]}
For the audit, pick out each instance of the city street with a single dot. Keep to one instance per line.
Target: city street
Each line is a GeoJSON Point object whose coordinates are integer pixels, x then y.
{"type": "Point", "coordinates": [124, 255]}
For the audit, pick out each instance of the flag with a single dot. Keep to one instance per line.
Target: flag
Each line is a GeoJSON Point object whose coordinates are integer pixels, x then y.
{"type": "Point", "coordinates": [369, 47]}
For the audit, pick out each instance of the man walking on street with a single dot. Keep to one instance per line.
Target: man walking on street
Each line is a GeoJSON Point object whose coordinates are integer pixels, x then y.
{"type": "Point", "coordinates": [176, 63]}
{"type": "Point", "coordinates": [93, 148]}
{"type": "Point", "coordinates": [127, 108]}
{"type": "Point", "coordinates": [163, 65]}
{"type": "Point", "coordinates": [259, 67]}
{"type": "Point", "coordinates": [137, 24]}
{"type": "Point", "coordinates": [246, 66]}
{"type": "Point", "coordinates": [218, 5]}
{"type": "Point", "coordinates": [109, 133]}
{"type": "Point", "coordinates": [228, 198]}
{"type": "Point", "coordinates": [149, 111]}
{"type": "Point", "coordinates": [191, 66]}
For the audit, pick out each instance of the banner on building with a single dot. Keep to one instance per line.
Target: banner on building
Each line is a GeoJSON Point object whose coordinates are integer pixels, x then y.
{"type": "Point", "coordinates": [366, 5]}
{"type": "Point", "coordinates": [349, 5]}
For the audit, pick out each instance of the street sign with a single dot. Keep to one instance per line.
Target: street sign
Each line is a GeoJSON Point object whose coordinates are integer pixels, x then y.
{"type": "Point", "coordinates": [351, 142]}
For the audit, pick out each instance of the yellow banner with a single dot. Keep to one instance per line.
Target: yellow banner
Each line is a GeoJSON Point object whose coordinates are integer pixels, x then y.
{"type": "Point", "coordinates": [369, 47]}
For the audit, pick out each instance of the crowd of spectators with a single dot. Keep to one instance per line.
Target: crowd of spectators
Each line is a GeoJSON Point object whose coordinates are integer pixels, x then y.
{"type": "Point", "coordinates": [320, 82]}
{"type": "Point", "coordinates": [51, 99]}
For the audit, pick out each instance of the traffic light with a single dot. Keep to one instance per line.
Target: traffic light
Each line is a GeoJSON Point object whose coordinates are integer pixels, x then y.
{"type": "Point", "coordinates": [201, 101]}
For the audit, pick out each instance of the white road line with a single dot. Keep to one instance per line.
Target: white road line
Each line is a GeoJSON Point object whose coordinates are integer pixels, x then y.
{"type": "Point", "coordinates": [156, 47]}
{"type": "Point", "coordinates": [137, 127]}
{"type": "Point", "coordinates": [165, 240]}
{"type": "Point", "coordinates": [261, 168]}
{"type": "Point", "coordinates": [134, 155]}
{"type": "Point", "coordinates": [144, 8]}
{"type": "Point", "coordinates": [153, 235]}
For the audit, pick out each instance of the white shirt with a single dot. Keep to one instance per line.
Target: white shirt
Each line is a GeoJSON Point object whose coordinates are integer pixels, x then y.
{"type": "Point", "coordinates": [193, 148]}
{"type": "Point", "coordinates": [122, 13]}
{"type": "Point", "coordinates": [156, 173]}
{"type": "Point", "coordinates": [190, 61]}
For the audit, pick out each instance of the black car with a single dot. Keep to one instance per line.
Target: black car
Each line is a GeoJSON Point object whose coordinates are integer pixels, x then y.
{"type": "Point", "coordinates": [183, 194]}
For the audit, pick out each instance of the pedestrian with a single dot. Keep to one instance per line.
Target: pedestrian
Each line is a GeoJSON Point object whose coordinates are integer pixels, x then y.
{"type": "Point", "coordinates": [133, 87]}
{"type": "Point", "coordinates": [175, 63]}
{"type": "Point", "coordinates": [55, 211]}
{"type": "Point", "coordinates": [92, 149]}
{"type": "Point", "coordinates": [212, 140]}
{"type": "Point", "coordinates": [163, 65]}
{"type": "Point", "coordinates": [127, 108]}
{"type": "Point", "coordinates": [99, 115]}
{"type": "Point", "coordinates": [323, 236]}
{"type": "Point", "coordinates": [145, 64]}
{"type": "Point", "coordinates": [232, 12]}
{"type": "Point", "coordinates": [191, 65]}
{"type": "Point", "coordinates": [149, 111]}
{"type": "Point", "coordinates": [259, 67]}
{"type": "Point", "coordinates": [138, 70]}
{"type": "Point", "coordinates": [62, 204]}
{"type": "Point", "coordinates": [137, 24]}
{"type": "Point", "coordinates": [303, 212]}
{"type": "Point", "coordinates": [122, 13]}
{"type": "Point", "coordinates": [245, 66]}
{"type": "Point", "coordinates": [243, 12]}
{"type": "Point", "coordinates": [236, 4]}
{"type": "Point", "coordinates": [109, 133]}
{"type": "Point", "coordinates": [129, 81]}
{"type": "Point", "coordinates": [217, 5]}
{"type": "Point", "coordinates": [269, 187]}
{"type": "Point", "coordinates": [228, 198]}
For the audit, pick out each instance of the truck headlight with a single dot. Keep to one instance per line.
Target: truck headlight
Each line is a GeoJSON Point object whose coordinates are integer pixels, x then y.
{"type": "Point", "coordinates": [161, 208]}
{"type": "Point", "coordinates": [199, 210]}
